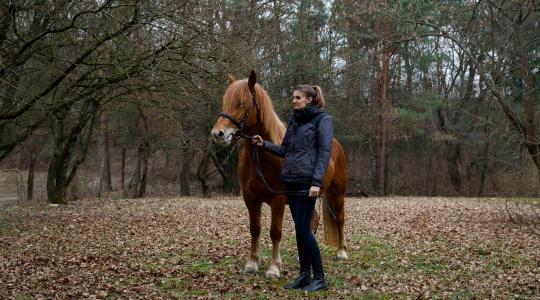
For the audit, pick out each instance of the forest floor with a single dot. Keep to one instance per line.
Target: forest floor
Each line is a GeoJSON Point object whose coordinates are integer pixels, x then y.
{"type": "Point", "coordinates": [399, 247]}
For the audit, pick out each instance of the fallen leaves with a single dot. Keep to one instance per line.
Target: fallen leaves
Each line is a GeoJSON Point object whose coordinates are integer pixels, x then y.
{"type": "Point", "coordinates": [196, 248]}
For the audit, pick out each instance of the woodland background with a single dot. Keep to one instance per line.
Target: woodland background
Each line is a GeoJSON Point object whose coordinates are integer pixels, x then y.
{"type": "Point", "coordinates": [104, 98]}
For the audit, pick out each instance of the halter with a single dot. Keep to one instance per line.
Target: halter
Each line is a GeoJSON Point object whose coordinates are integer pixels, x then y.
{"type": "Point", "coordinates": [242, 123]}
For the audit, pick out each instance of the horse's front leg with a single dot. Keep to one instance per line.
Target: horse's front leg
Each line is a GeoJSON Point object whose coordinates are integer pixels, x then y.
{"type": "Point", "coordinates": [277, 206]}
{"type": "Point", "coordinates": [254, 209]}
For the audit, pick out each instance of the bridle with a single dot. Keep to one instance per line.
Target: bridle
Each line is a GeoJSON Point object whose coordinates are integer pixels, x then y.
{"type": "Point", "coordinates": [241, 125]}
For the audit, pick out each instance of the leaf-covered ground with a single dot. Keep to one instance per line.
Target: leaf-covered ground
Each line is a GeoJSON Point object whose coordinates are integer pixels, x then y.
{"type": "Point", "coordinates": [196, 248]}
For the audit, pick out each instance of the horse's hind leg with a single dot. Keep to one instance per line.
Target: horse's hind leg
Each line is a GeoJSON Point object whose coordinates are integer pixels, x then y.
{"type": "Point", "coordinates": [342, 250]}
{"type": "Point", "coordinates": [254, 209]}
{"type": "Point", "coordinates": [277, 206]}
{"type": "Point", "coordinates": [340, 223]}
{"type": "Point", "coordinates": [336, 199]}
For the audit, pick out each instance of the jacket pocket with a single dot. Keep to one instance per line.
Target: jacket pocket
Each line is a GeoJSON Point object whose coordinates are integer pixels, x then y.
{"type": "Point", "coordinates": [308, 138]}
{"type": "Point", "coordinates": [303, 164]}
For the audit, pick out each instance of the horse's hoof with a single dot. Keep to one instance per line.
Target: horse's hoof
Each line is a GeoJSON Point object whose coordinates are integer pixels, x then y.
{"type": "Point", "coordinates": [342, 255]}
{"type": "Point", "coordinates": [272, 273]}
{"type": "Point", "coordinates": [251, 268]}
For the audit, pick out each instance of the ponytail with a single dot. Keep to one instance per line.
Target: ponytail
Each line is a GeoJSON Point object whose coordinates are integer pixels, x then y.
{"type": "Point", "coordinates": [320, 97]}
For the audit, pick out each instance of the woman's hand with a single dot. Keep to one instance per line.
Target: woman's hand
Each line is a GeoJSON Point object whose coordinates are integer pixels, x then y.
{"type": "Point", "coordinates": [314, 191]}
{"type": "Point", "coordinates": [258, 140]}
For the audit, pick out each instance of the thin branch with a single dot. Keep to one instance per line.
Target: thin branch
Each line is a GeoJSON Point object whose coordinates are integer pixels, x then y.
{"type": "Point", "coordinates": [67, 71]}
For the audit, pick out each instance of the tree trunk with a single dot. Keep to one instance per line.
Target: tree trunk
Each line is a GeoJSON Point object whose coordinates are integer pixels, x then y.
{"type": "Point", "coordinates": [408, 69]}
{"type": "Point", "coordinates": [185, 173]}
{"type": "Point", "coordinates": [137, 184]}
{"type": "Point", "coordinates": [231, 184]}
{"type": "Point", "coordinates": [485, 162]}
{"type": "Point", "coordinates": [226, 160]}
{"type": "Point", "coordinates": [531, 140]}
{"type": "Point", "coordinates": [380, 158]}
{"type": "Point", "coordinates": [372, 167]}
{"type": "Point", "coordinates": [30, 181]}
{"type": "Point", "coordinates": [105, 182]}
{"type": "Point", "coordinates": [386, 171]}
{"type": "Point", "coordinates": [484, 153]}
{"type": "Point", "coordinates": [144, 175]}
{"type": "Point", "coordinates": [202, 171]}
{"type": "Point", "coordinates": [74, 188]}
{"type": "Point", "coordinates": [429, 175]}
{"type": "Point", "coordinates": [448, 123]}
{"type": "Point", "coordinates": [453, 158]}
{"type": "Point", "coordinates": [136, 177]}
{"type": "Point", "coordinates": [452, 153]}
{"type": "Point", "coordinates": [382, 65]}
{"type": "Point", "coordinates": [71, 147]}
{"type": "Point", "coordinates": [56, 180]}
{"type": "Point", "coordinates": [57, 175]}
{"type": "Point", "coordinates": [123, 171]}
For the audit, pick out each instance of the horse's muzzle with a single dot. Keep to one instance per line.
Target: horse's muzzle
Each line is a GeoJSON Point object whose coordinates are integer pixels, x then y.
{"type": "Point", "coordinates": [223, 137]}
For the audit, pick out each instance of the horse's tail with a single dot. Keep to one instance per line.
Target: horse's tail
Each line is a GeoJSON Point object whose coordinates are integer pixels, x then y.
{"type": "Point", "coordinates": [331, 234]}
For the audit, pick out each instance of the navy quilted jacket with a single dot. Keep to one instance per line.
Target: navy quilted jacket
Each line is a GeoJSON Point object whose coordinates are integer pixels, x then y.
{"type": "Point", "coordinates": [306, 150]}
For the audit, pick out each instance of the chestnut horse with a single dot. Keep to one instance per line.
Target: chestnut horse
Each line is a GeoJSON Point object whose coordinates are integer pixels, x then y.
{"type": "Point", "coordinates": [248, 108]}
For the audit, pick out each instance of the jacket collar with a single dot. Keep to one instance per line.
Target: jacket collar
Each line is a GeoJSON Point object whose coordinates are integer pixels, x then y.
{"type": "Point", "coordinates": [305, 115]}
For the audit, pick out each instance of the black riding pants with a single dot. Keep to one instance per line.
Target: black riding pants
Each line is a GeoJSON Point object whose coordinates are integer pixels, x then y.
{"type": "Point", "coordinates": [302, 207]}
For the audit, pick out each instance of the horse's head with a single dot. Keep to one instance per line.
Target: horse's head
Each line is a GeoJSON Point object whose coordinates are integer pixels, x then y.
{"type": "Point", "coordinates": [239, 110]}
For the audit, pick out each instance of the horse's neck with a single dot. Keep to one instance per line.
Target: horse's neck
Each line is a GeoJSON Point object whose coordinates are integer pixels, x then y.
{"type": "Point", "coordinates": [265, 134]}
{"type": "Point", "coordinates": [272, 119]}
{"type": "Point", "coordinates": [273, 127]}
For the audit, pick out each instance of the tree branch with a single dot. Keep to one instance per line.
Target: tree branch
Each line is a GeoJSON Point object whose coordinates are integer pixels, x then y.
{"type": "Point", "coordinates": [67, 71]}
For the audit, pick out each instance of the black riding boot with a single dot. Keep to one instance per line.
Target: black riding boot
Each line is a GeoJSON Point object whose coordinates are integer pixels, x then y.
{"type": "Point", "coordinates": [318, 282]}
{"type": "Point", "coordinates": [301, 281]}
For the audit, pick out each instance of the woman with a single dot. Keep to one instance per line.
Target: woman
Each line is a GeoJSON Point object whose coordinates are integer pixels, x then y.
{"type": "Point", "coordinates": [306, 149]}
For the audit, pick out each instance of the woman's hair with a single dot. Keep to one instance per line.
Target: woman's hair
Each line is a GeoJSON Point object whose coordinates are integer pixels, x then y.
{"type": "Point", "coordinates": [313, 91]}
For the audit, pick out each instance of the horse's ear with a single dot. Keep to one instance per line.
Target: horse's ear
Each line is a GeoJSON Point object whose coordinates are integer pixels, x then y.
{"type": "Point", "coordinates": [231, 78]}
{"type": "Point", "coordinates": [252, 80]}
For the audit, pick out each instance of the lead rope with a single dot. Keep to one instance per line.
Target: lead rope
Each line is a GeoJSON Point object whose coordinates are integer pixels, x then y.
{"type": "Point", "coordinates": [268, 187]}
{"type": "Point", "coordinates": [291, 193]}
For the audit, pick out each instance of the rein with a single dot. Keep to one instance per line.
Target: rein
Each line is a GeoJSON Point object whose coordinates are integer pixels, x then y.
{"type": "Point", "coordinates": [257, 164]}
{"type": "Point", "coordinates": [240, 133]}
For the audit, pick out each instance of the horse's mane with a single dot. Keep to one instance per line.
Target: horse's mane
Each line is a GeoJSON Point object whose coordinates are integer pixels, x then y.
{"type": "Point", "coordinates": [239, 91]}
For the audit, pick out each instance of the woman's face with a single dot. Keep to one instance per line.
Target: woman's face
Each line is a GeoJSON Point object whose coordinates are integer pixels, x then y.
{"type": "Point", "coordinates": [300, 101]}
